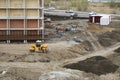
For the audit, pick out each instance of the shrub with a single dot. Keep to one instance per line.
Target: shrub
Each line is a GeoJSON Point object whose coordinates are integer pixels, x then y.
{"type": "Point", "coordinates": [113, 4]}
{"type": "Point", "coordinates": [81, 5]}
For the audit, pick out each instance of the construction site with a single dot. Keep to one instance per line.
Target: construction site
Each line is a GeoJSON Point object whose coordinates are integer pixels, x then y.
{"type": "Point", "coordinates": [19, 20]}
{"type": "Point", "coordinates": [34, 46]}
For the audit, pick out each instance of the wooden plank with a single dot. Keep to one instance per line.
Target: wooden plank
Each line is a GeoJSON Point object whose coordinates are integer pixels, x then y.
{"type": "Point", "coordinates": [32, 3]}
{"type": "Point", "coordinates": [16, 23]}
{"type": "Point", "coordinates": [3, 24]}
{"type": "Point", "coordinates": [32, 23]}
{"type": "Point", "coordinates": [2, 13]}
{"type": "Point", "coordinates": [16, 3]}
{"type": "Point", "coordinates": [2, 3]}
{"type": "Point", "coordinates": [13, 37]}
{"type": "Point", "coordinates": [16, 13]}
{"type": "Point", "coordinates": [32, 13]}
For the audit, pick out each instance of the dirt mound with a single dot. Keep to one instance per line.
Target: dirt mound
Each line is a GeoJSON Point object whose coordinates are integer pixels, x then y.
{"type": "Point", "coordinates": [97, 65]}
{"type": "Point", "coordinates": [109, 38]}
{"type": "Point", "coordinates": [117, 50]}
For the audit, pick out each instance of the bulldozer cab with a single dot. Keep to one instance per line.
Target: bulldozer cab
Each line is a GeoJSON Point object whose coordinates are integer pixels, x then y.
{"type": "Point", "coordinates": [38, 43]}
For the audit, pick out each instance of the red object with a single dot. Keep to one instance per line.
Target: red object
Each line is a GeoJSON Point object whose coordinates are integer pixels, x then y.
{"type": "Point", "coordinates": [94, 19]}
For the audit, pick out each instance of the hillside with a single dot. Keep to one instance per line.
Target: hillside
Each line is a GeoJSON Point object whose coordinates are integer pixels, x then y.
{"type": "Point", "coordinates": [83, 5]}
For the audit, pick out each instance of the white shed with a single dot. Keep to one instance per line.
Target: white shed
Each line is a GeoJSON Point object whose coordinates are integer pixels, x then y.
{"type": "Point", "coordinates": [105, 20]}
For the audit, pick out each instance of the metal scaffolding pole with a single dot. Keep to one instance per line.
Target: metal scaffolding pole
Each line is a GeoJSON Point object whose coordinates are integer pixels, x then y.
{"type": "Point", "coordinates": [43, 20]}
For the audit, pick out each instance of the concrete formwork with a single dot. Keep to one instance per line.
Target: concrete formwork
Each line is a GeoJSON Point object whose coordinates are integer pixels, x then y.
{"type": "Point", "coordinates": [3, 3]}
{"type": "Point", "coordinates": [21, 19]}
{"type": "Point", "coordinates": [3, 13]}
{"type": "Point", "coordinates": [32, 3]}
{"type": "Point", "coordinates": [32, 23]}
{"type": "Point", "coordinates": [16, 23]}
{"type": "Point", "coordinates": [16, 32]}
{"type": "Point", "coordinates": [3, 23]}
{"type": "Point", "coordinates": [2, 32]}
{"type": "Point", "coordinates": [32, 13]}
{"type": "Point", "coordinates": [16, 3]}
{"type": "Point", "coordinates": [16, 13]}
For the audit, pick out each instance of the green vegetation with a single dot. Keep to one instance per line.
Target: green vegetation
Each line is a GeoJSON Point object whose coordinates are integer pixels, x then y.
{"type": "Point", "coordinates": [113, 4]}
{"type": "Point", "coordinates": [81, 5]}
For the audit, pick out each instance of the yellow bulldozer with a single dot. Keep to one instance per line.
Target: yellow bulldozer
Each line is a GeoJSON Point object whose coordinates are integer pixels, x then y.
{"type": "Point", "coordinates": [38, 47]}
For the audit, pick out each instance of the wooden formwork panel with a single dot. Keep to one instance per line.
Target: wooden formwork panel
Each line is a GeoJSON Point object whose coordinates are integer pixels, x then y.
{"type": "Point", "coordinates": [16, 32]}
{"type": "Point", "coordinates": [16, 23]}
{"type": "Point", "coordinates": [32, 3]}
{"type": "Point", "coordinates": [15, 38]}
{"type": "Point", "coordinates": [3, 23]}
{"type": "Point", "coordinates": [3, 3]}
{"type": "Point", "coordinates": [17, 3]}
{"type": "Point", "coordinates": [2, 12]}
{"type": "Point", "coordinates": [32, 23]}
{"type": "Point", "coordinates": [3, 32]}
{"type": "Point", "coordinates": [16, 13]}
{"type": "Point", "coordinates": [32, 13]}
{"type": "Point", "coordinates": [32, 32]}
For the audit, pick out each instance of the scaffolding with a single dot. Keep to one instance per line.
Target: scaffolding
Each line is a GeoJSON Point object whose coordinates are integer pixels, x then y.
{"type": "Point", "coordinates": [21, 19]}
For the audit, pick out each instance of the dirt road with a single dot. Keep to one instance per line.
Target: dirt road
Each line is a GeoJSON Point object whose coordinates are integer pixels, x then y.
{"type": "Point", "coordinates": [103, 52]}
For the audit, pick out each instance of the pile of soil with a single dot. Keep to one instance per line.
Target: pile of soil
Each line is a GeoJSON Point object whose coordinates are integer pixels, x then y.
{"type": "Point", "coordinates": [117, 50]}
{"type": "Point", "coordinates": [109, 38]}
{"type": "Point", "coordinates": [98, 65]}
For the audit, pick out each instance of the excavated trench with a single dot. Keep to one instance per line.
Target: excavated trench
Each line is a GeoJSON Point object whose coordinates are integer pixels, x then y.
{"type": "Point", "coordinates": [97, 65]}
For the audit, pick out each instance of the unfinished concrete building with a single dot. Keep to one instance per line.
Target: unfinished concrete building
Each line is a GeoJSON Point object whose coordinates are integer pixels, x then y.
{"type": "Point", "coordinates": [21, 20]}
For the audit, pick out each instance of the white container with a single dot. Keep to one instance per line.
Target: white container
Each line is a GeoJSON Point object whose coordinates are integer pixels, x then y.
{"type": "Point", "coordinates": [105, 20]}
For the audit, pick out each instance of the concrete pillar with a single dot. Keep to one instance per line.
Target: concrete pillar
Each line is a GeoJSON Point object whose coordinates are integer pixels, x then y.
{"type": "Point", "coordinates": [8, 41]}
{"type": "Point", "coordinates": [93, 19]}
{"type": "Point", "coordinates": [25, 41]}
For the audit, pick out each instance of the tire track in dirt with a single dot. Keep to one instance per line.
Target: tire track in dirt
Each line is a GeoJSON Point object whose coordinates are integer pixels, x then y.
{"type": "Point", "coordinates": [103, 52]}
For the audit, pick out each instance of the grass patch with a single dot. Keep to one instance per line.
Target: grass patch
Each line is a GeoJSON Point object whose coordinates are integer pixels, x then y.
{"type": "Point", "coordinates": [113, 4]}
{"type": "Point", "coordinates": [80, 5]}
